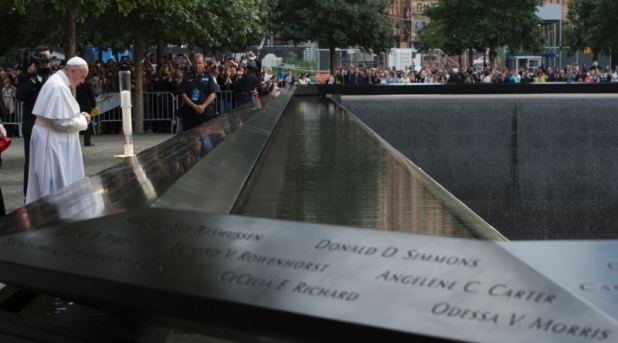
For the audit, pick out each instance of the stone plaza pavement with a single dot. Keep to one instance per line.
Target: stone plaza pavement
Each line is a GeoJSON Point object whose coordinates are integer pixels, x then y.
{"type": "Point", "coordinates": [96, 158]}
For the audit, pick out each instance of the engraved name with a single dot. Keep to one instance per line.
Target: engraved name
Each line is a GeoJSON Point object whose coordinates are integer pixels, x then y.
{"type": "Point", "coordinates": [184, 249]}
{"type": "Point", "coordinates": [560, 328]}
{"type": "Point", "coordinates": [418, 256]}
{"type": "Point", "coordinates": [201, 230]}
{"type": "Point", "coordinates": [239, 235]}
{"type": "Point", "coordinates": [246, 279]}
{"type": "Point", "coordinates": [504, 291]}
{"type": "Point", "coordinates": [448, 310]}
{"type": "Point", "coordinates": [114, 260]}
{"type": "Point", "coordinates": [390, 252]}
{"type": "Point", "coordinates": [249, 257]}
{"type": "Point", "coordinates": [250, 280]}
{"type": "Point", "coordinates": [13, 243]}
{"type": "Point", "coordinates": [592, 287]}
{"type": "Point", "coordinates": [415, 280]}
{"type": "Point", "coordinates": [521, 321]}
{"type": "Point", "coordinates": [97, 236]}
{"type": "Point", "coordinates": [325, 292]}
{"type": "Point", "coordinates": [328, 245]}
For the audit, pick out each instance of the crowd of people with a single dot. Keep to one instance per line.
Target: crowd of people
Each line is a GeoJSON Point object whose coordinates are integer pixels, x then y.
{"type": "Point", "coordinates": [449, 74]}
{"type": "Point", "coordinates": [163, 77]}
{"type": "Point", "coordinates": [167, 75]}
{"type": "Point", "coordinates": [206, 88]}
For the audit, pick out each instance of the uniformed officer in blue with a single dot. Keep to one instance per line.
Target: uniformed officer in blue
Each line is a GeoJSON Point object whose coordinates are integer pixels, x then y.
{"type": "Point", "coordinates": [198, 90]}
{"type": "Point", "coordinates": [246, 86]}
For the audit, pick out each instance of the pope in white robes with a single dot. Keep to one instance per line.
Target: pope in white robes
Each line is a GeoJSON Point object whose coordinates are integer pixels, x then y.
{"type": "Point", "coordinates": [55, 152]}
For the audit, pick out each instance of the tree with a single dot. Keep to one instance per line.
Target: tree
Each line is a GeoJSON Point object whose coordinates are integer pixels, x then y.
{"type": "Point", "coordinates": [589, 25]}
{"type": "Point", "coordinates": [485, 24]}
{"type": "Point", "coordinates": [138, 14]}
{"type": "Point", "coordinates": [192, 21]}
{"type": "Point", "coordinates": [27, 26]}
{"type": "Point", "coordinates": [74, 11]}
{"type": "Point", "coordinates": [120, 24]}
{"type": "Point", "coordinates": [452, 39]}
{"type": "Point", "coordinates": [45, 12]}
{"type": "Point", "coordinates": [224, 25]}
{"type": "Point", "coordinates": [111, 29]}
{"type": "Point", "coordinates": [333, 23]}
{"type": "Point", "coordinates": [437, 36]}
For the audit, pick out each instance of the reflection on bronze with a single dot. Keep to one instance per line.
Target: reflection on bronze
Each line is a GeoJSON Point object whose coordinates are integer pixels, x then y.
{"type": "Point", "coordinates": [135, 182]}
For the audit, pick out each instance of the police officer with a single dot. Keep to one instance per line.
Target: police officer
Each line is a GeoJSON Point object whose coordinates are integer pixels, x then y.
{"type": "Point", "coordinates": [198, 90]}
{"type": "Point", "coordinates": [246, 86]}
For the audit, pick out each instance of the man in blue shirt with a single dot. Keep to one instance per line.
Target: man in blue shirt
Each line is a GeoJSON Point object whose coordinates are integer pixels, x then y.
{"type": "Point", "coordinates": [198, 90]}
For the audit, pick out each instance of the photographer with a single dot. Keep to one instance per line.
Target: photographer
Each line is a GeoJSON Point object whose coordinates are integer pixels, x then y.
{"type": "Point", "coordinates": [250, 56]}
{"type": "Point", "coordinates": [125, 64]}
{"type": "Point", "coordinates": [36, 72]}
{"type": "Point", "coordinates": [147, 63]}
{"type": "Point", "coordinates": [246, 86]}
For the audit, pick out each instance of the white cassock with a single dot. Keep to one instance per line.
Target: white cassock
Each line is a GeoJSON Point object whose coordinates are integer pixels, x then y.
{"type": "Point", "coordinates": [55, 152]}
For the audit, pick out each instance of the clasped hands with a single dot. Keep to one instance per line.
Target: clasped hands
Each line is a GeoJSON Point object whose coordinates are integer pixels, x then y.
{"type": "Point", "coordinates": [199, 109]}
{"type": "Point", "coordinates": [87, 116]}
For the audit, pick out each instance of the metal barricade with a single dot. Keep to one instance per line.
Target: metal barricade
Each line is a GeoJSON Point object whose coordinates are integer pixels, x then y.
{"type": "Point", "coordinates": [225, 102]}
{"type": "Point", "coordinates": [160, 106]}
{"type": "Point", "coordinates": [15, 110]}
{"type": "Point", "coordinates": [113, 114]}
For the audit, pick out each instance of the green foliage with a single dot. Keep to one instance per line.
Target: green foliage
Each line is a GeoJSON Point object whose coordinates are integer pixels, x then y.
{"type": "Point", "coordinates": [35, 22]}
{"type": "Point", "coordinates": [230, 25]}
{"type": "Point", "coordinates": [120, 24]}
{"type": "Point", "coordinates": [214, 24]}
{"type": "Point", "coordinates": [29, 28]}
{"type": "Point", "coordinates": [590, 24]}
{"type": "Point", "coordinates": [334, 23]}
{"type": "Point", "coordinates": [289, 60]}
{"type": "Point", "coordinates": [84, 9]}
{"type": "Point", "coordinates": [457, 25]}
{"type": "Point", "coordinates": [303, 64]}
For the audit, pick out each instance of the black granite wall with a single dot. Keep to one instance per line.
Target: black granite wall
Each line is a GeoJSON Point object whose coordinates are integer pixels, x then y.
{"type": "Point", "coordinates": [534, 168]}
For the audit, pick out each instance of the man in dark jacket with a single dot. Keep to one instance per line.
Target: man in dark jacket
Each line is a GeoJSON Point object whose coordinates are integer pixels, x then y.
{"type": "Point", "coordinates": [84, 94]}
{"type": "Point", "coordinates": [355, 77]}
{"type": "Point", "coordinates": [198, 91]}
{"type": "Point", "coordinates": [246, 86]}
{"type": "Point", "coordinates": [30, 83]}
{"type": "Point", "coordinates": [453, 76]}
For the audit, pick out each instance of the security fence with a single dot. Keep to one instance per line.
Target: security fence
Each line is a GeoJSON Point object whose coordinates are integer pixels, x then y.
{"type": "Point", "coordinates": [15, 110]}
{"type": "Point", "coordinates": [160, 107]}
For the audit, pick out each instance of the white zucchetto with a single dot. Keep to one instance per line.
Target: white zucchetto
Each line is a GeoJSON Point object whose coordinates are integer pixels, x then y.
{"type": "Point", "coordinates": [76, 62]}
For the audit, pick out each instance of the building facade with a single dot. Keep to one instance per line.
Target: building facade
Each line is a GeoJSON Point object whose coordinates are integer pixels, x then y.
{"type": "Point", "coordinates": [408, 14]}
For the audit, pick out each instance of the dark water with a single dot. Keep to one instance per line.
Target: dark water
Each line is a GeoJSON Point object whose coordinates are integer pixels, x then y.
{"type": "Point", "coordinates": [535, 169]}
{"type": "Point", "coordinates": [324, 166]}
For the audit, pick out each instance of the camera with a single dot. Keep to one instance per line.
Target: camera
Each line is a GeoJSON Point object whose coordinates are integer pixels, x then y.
{"type": "Point", "coordinates": [29, 57]}
{"type": "Point", "coordinates": [125, 64]}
